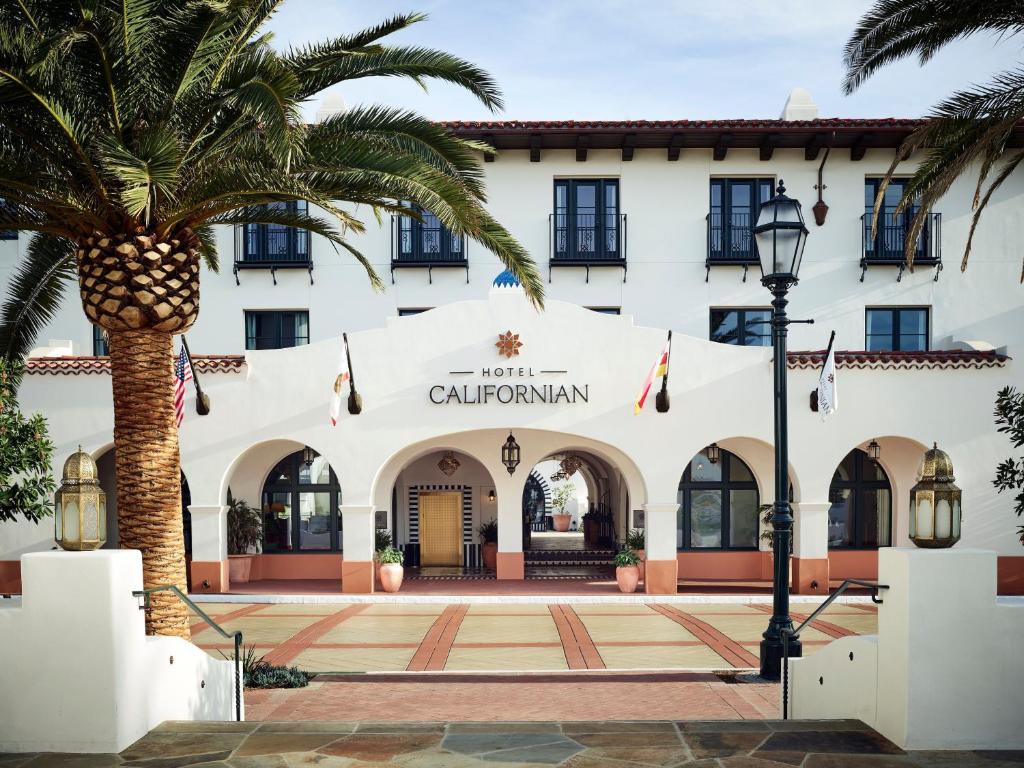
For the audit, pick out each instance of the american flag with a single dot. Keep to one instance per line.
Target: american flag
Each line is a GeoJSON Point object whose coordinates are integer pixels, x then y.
{"type": "Point", "coordinates": [182, 374]}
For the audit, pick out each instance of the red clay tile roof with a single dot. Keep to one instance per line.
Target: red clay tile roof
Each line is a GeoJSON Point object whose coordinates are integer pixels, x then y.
{"type": "Point", "coordinates": [940, 358]}
{"type": "Point", "coordinates": [76, 364]}
{"type": "Point", "coordinates": [576, 125]}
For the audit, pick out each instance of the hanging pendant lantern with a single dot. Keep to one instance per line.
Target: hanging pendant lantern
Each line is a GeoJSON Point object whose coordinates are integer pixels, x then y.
{"type": "Point", "coordinates": [935, 503]}
{"type": "Point", "coordinates": [874, 450]}
{"type": "Point", "coordinates": [714, 453]}
{"type": "Point", "coordinates": [80, 506]}
{"type": "Point", "coordinates": [570, 465]}
{"type": "Point", "coordinates": [308, 455]}
{"type": "Point", "coordinates": [449, 464]}
{"type": "Point", "coordinates": [510, 454]}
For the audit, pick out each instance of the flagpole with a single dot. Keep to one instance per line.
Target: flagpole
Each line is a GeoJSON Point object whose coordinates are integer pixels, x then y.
{"type": "Point", "coordinates": [661, 400]}
{"type": "Point", "coordinates": [828, 350]}
{"type": "Point", "coordinates": [355, 400]}
{"type": "Point", "coordinates": [202, 399]}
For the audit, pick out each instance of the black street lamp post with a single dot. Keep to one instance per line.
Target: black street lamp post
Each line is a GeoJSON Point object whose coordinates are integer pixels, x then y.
{"type": "Point", "coordinates": [780, 235]}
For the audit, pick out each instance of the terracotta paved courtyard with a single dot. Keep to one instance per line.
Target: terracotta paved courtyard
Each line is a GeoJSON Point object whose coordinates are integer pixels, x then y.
{"type": "Point", "coordinates": [390, 637]}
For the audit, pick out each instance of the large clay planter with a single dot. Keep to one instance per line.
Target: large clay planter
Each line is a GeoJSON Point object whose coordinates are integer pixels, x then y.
{"type": "Point", "coordinates": [628, 576]}
{"type": "Point", "coordinates": [239, 568]}
{"type": "Point", "coordinates": [561, 522]}
{"type": "Point", "coordinates": [489, 554]}
{"type": "Point", "coordinates": [391, 575]}
{"type": "Point", "coordinates": [643, 565]}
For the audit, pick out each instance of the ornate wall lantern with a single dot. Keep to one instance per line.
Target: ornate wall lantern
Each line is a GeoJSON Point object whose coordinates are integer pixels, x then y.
{"type": "Point", "coordinates": [510, 454]}
{"type": "Point", "coordinates": [449, 464]}
{"type": "Point", "coordinates": [935, 503]}
{"type": "Point", "coordinates": [80, 506]}
{"type": "Point", "coordinates": [874, 451]}
{"type": "Point", "coordinates": [714, 453]}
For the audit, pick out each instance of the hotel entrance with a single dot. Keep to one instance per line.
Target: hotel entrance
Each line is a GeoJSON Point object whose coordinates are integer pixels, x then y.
{"type": "Point", "coordinates": [441, 528]}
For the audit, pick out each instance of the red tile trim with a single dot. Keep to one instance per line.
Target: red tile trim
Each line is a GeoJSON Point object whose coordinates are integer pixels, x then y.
{"type": "Point", "coordinates": [833, 630]}
{"type": "Point", "coordinates": [864, 607]}
{"type": "Point", "coordinates": [199, 626]}
{"type": "Point", "coordinates": [573, 654]}
{"type": "Point", "coordinates": [437, 643]}
{"type": "Point", "coordinates": [304, 638]}
{"type": "Point", "coordinates": [720, 643]}
{"type": "Point", "coordinates": [586, 644]}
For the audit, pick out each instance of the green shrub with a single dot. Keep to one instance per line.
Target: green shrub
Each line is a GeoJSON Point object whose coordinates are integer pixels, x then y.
{"type": "Point", "coordinates": [390, 556]}
{"type": "Point", "coordinates": [626, 557]}
{"type": "Point", "coordinates": [636, 539]}
{"type": "Point", "coordinates": [488, 531]}
{"type": "Point", "coordinates": [245, 527]}
{"type": "Point", "coordinates": [257, 672]}
{"type": "Point", "coordinates": [381, 539]}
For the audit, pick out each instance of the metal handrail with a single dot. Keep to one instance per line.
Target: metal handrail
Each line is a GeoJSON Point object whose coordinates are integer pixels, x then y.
{"type": "Point", "coordinates": [236, 636]}
{"type": "Point", "coordinates": [788, 633]}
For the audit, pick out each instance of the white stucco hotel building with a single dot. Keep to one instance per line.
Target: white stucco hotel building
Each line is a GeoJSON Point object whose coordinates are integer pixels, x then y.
{"type": "Point", "coordinates": [637, 227]}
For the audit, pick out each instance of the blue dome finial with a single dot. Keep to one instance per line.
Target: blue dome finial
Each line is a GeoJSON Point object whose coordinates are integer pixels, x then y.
{"type": "Point", "coordinates": [506, 280]}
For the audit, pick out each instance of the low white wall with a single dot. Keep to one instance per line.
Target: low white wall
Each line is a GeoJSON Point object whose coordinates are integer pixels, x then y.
{"type": "Point", "coordinates": [87, 677]}
{"type": "Point", "coordinates": [949, 669]}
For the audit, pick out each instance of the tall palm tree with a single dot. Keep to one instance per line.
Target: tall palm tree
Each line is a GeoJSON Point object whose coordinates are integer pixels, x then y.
{"type": "Point", "coordinates": [130, 128]}
{"type": "Point", "coordinates": [968, 130]}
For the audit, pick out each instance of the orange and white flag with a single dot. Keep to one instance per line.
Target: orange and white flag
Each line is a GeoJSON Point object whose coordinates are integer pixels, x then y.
{"type": "Point", "coordinates": [339, 384]}
{"type": "Point", "coordinates": [660, 368]}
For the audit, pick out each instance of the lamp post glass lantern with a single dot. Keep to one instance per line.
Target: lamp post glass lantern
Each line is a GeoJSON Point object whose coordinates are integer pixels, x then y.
{"type": "Point", "coordinates": [80, 506]}
{"type": "Point", "coordinates": [510, 454]}
{"type": "Point", "coordinates": [780, 236]}
{"type": "Point", "coordinates": [935, 503]}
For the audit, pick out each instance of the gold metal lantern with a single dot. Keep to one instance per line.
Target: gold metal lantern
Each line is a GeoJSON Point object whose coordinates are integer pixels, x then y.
{"type": "Point", "coordinates": [80, 505]}
{"type": "Point", "coordinates": [935, 503]}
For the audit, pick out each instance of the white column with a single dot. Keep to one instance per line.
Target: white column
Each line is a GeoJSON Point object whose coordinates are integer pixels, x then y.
{"type": "Point", "coordinates": [660, 530]}
{"type": "Point", "coordinates": [810, 530]}
{"type": "Point", "coordinates": [209, 532]}
{"type": "Point", "coordinates": [357, 527]}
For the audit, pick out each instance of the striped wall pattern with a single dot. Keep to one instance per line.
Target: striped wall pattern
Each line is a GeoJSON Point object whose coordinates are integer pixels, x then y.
{"type": "Point", "coordinates": [546, 488]}
{"type": "Point", "coordinates": [414, 510]}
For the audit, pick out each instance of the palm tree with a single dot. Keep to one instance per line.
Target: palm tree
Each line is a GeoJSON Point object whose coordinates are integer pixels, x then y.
{"type": "Point", "coordinates": [130, 128]}
{"type": "Point", "coordinates": [969, 129]}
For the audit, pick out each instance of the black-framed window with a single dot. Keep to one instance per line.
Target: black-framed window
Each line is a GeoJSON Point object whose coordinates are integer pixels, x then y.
{"type": "Point", "coordinates": [717, 504]}
{"type": "Point", "coordinates": [606, 310]}
{"type": "Point", "coordinates": [741, 327]}
{"type": "Point", "coordinates": [733, 212]}
{"type": "Point", "coordinates": [273, 244]}
{"type": "Point", "coordinates": [860, 515]}
{"type": "Point", "coordinates": [300, 507]}
{"type": "Point", "coordinates": [888, 243]}
{"type": "Point", "coordinates": [586, 220]}
{"type": "Point", "coordinates": [99, 341]}
{"type": "Point", "coordinates": [896, 329]}
{"type": "Point", "coordinates": [410, 311]}
{"type": "Point", "coordinates": [276, 329]}
{"type": "Point", "coordinates": [427, 240]}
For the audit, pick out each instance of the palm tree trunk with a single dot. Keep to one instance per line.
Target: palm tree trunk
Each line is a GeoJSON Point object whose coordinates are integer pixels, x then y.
{"type": "Point", "coordinates": [148, 469]}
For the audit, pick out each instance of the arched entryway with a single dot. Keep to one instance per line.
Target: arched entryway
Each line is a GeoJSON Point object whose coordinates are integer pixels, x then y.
{"type": "Point", "coordinates": [299, 502]}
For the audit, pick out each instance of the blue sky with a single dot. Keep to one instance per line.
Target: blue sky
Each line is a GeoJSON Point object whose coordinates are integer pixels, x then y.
{"type": "Point", "coordinates": [645, 59]}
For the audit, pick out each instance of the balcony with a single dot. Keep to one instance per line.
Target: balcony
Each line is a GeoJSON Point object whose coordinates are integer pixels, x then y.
{"type": "Point", "coordinates": [265, 246]}
{"type": "Point", "coordinates": [426, 244]}
{"type": "Point", "coordinates": [886, 248]}
{"type": "Point", "coordinates": [587, 240]}
{"type": "Point", "coordinates": [730, 241]}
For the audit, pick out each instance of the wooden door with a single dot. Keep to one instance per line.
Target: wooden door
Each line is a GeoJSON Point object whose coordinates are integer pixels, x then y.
{"type": "Point", "coordinates": [441, 528]}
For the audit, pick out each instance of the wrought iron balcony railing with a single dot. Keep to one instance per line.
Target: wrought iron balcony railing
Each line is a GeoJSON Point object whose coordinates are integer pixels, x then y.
{"type": "Point", "coordinates": [587, 240]}
{"type": "Point", "coordinates": [426, 244]}
{"type": "Point", "coordinates": [887, 246]}
{"type": "Point", "coordinates": [730, 241]}
{"type": "Point", "coordinates": [260, 246]}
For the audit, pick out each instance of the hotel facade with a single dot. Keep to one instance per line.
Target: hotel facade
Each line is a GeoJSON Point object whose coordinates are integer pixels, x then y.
{"type": "Point", "coordinates": [638, 228]}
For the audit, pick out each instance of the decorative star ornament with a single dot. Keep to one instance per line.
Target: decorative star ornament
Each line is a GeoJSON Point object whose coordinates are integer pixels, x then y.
{"type": "Point", "coordinates": [508, 344]}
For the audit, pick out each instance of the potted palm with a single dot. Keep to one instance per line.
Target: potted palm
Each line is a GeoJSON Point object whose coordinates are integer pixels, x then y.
{"type": "Point", "coordinates": [489, 543]}
{"type": "Point", "coordinates": [391, 569]}
{"type": "Point", "coordinates": [245, 532]}
{"type": "Point", "coordinates": [381, 541]}
{"type": "Point", "coordinates": [561, 518]}
{"type": "Point", "coordinates": [627, 570]}
{"type": "Point", "coordinates": [636, 541]}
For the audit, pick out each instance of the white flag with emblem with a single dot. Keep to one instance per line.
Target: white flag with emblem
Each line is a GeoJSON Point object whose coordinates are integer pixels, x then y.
{"type": "Point", "coordinates": [828, 400]}
{"type": "Point", "coordinates": [339, 385]}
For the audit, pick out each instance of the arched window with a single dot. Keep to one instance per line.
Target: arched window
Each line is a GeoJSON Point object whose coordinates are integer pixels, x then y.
{"type": "Point", "coordinates": [300, 506]}
{"type": "Point", "coordinates": [717, 504]}
{"type": "Point", "coordinates": [861, 498]}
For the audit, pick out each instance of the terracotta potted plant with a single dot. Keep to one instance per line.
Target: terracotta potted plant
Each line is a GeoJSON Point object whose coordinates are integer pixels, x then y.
{"type": "Point", "coordinates": [489, 544]}
{"type": "Point", "coordinates": [627, 570]}
{"type": "Point", "coordinates": [560, 516]}
{"type": "Point", "coordinates": [245, 532]}
{"type": "Point", "coordinates": [382, 541]}
{"type": "Point", "coordinates": [635, 540]}
{"type": "Point", "coordinates": [391, 570]}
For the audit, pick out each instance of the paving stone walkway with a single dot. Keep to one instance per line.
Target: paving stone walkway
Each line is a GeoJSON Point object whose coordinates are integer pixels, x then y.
{"type": "Point", "coordinates": [761, 744]}
{"type": "Point", "coordinates": [382, 636]}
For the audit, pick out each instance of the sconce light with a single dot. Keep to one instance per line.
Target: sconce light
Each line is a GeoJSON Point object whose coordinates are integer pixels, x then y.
{"type": "Point", "coordinates": [874, 450]}
{"type": "Point", "coordinates": [490, 496]}
{"type": "Point", "coordinates": [510, 454]}
{"type": "Point", "coordinates": [714, 453]}
{"type": "Point", "coordinates": [308, 455]}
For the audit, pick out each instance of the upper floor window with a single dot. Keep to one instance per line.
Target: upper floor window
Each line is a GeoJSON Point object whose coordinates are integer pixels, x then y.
{"type": "Point", "coordinates": [896, 329]}
{"type": "Point", "coordinates": [427, 240]}
{"type": "Point", "coordinates": [273, 244]}
{"type": "Point", "coordinates": [586, 220]}
{"type": "Point", "coordinates": [860, 514]}
{"type": "Point", "coordinates": [606, 310]}
{"type": "Point", "coordinates": [276, 329]}
{"type": "Point", "coordinates": [888, 244]}
{"type": "Point", "coordinates": [99, 341]}
{"type": "Point", "coordinates": [718, 504]}
{"type": "Point", "coordinates": [742, 327]}
{"type": "Point", "coordinates": [733, 213]}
